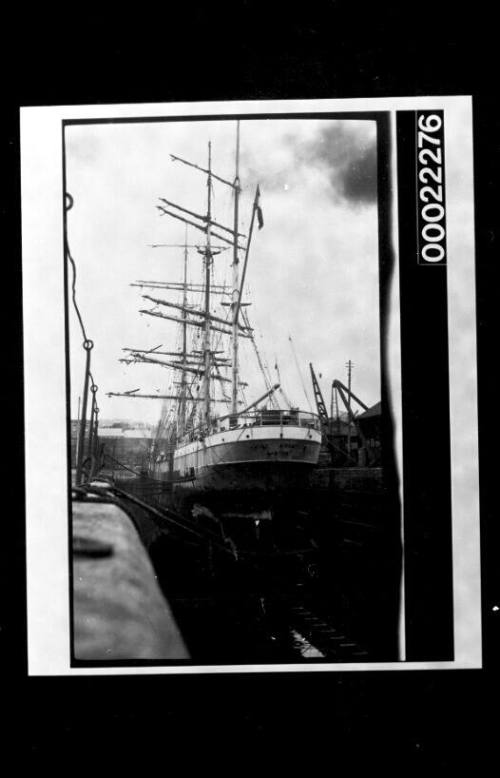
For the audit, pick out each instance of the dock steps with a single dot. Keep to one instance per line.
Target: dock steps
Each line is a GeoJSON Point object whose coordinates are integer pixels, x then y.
{"type": "Point", "coordinates": [332, 643]}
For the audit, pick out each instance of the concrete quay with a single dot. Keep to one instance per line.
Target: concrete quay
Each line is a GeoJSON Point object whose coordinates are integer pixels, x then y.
{"type": "Point", "coordinates": [119, 611]}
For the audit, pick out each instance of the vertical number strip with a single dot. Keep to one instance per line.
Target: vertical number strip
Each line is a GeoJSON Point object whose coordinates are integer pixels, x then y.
{"type": "Point", "coordinates": [431, 208]}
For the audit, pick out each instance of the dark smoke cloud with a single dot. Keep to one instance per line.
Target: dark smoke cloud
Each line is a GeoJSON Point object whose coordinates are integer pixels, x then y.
{"type": "Point", "coordinates": [359, 179]}
{"type": "Point", "coordinates": [340, 150]}
{"type": "Point", "coordinates": [348, 157]}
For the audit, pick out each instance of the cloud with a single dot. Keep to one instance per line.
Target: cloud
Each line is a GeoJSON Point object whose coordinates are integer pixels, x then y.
{"type": "Point", "coordinates": [340, 155]}
{"type": "Point", "coordinates": [348, 155]}
{"type": "Point", "coordinates": [313, 270]}
{"type": "Point", "coordinates": [359, 178]}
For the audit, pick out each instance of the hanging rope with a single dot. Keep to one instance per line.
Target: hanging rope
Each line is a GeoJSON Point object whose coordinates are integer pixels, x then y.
{"type": "Point", "coordinates": [69, 205]}
{"type": "Point", "coordinates": [88, 345]}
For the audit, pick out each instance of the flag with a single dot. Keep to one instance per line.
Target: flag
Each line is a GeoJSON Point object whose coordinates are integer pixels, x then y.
{"type": "Point", "coordinates": [260, 217]}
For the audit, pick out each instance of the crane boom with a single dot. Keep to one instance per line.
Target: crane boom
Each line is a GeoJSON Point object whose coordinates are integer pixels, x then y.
{"type": "Point", "coordinates": [320, 403]}
{"type": "Point", "coordinates": [343, 388]}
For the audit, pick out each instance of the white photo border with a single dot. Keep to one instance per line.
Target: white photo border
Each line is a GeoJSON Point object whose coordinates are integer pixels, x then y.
{"type": "Point", "coordinates": [47, 488]}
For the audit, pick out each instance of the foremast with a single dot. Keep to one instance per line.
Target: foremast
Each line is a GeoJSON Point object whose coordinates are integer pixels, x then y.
{"type": "Point", "coordinates": [181, 416]}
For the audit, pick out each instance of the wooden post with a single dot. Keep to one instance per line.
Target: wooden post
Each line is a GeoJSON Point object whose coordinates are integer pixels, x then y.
{"type": "Point", "coordinates": [349, 370]}
{"type": "Point", "coordinates": [88, 346]}
{"type": "Point", "coordinates": [77, 447]}
{"type": "Point", "coordinates": [90, 449]}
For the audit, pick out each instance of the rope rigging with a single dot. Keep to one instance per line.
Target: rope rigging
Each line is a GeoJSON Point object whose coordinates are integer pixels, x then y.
{"type": "Point", "coordinates": [281, 390]}
{"type": "Point", "coordinates": [263, 367]}
{"type": "Point", "coordinates": [300, 373]}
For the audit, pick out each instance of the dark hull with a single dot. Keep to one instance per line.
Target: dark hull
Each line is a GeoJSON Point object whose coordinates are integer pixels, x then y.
{"type": "Point", "coordinates": [244, 477]}
{"type": "Point", "coordinates": [248, 486]}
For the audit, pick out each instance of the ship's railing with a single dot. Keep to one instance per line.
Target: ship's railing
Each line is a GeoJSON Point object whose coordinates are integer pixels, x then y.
{"type": "Point", "coordinates": [273, 418]}
{"type": "Point", "coordinates": [258, 419]}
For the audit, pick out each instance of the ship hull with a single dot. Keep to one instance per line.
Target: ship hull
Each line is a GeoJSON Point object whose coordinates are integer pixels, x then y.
{"type": "Point", "coordinates": [247, 477]}
{"type": "Point", "coordinates": [245, 460]}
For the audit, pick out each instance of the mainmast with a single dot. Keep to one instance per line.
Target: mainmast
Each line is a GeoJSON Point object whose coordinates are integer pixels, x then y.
{"type": "Point", "coordinates": [236, 281]}
{"type": "Point", "coordinates": [208, 262]}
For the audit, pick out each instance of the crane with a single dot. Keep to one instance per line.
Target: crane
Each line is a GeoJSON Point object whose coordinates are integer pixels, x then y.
{"type": "Point", "coordinates": [328, 436]}
{"type": "Point", "coordinates": [341, 388]}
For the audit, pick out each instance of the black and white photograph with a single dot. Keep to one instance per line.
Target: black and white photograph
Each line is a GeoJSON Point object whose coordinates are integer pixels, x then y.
{"type": "Point", "coordinates": [263, 440]}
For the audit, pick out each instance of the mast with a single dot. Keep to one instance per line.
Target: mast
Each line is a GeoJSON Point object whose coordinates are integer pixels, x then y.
{"type": "Point", "coordinates": [181, 421]}
{"type": "Point", "coordinates": [236, 283]}
{"type": "Point", "coordinates": [203, 364]}
{"type": "Point", "coordinates": [208, 259]}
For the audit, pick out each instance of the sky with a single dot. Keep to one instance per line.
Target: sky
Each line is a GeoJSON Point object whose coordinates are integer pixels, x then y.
{"type": "Point", "coordinates": [312, 271]}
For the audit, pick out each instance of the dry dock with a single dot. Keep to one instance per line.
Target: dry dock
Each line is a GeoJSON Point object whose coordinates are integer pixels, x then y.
{"type": "Point", "coordinates": [317, 585]}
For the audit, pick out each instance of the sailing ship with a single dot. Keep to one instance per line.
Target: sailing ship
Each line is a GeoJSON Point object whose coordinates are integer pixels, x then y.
{"type": "Point", "coordinates": [252, 448]}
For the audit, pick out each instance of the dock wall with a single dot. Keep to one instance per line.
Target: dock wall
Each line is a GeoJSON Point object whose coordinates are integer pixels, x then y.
{"type": "Point", "coordinates": [119, 611]}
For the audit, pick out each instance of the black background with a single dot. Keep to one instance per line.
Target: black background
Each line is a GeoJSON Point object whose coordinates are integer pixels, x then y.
{"type": "Point", "coordinates": [223, 51]}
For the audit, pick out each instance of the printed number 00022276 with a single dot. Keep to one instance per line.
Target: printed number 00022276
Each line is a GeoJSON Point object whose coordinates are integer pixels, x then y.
{"type": "Point", "coordinates": [431, 201]}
